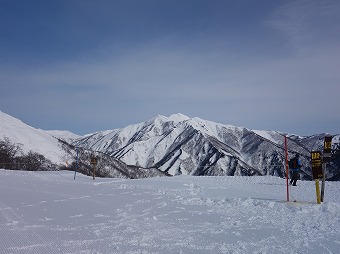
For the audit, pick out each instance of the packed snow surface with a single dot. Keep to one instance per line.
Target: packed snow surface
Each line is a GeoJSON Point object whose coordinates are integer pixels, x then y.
{"type": "Point", "coordinates": [49, 212]}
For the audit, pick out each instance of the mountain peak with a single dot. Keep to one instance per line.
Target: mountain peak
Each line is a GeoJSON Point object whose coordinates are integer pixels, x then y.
{"type": "Point", "coordinates": [178, 117]}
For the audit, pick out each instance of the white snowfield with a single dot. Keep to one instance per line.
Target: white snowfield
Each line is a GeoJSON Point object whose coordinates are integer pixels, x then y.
{"type": "Point", "coordinates": [49, 212]}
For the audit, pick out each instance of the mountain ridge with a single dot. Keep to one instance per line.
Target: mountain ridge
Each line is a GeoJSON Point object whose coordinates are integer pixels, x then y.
{"type": "Point", "coordinates": [182, 145]}
{"type": "Point", "coordinates": [174, 145]}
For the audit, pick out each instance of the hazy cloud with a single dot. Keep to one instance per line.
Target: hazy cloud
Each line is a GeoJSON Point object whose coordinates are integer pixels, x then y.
{"type": "Point", "coordinates": [275, 71]}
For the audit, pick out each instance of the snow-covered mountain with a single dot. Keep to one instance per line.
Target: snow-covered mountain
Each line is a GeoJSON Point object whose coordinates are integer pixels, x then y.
{"type": "Point", "coordinates": [58, 153]}
{"type": "Point", "coordinates": [192, 146]}
{"type": "Point", "coordinates": [175, 145]}
{"type": "Point", "coordinates": [31, 139]}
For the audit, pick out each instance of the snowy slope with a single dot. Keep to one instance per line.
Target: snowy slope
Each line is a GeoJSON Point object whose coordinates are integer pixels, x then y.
{"type": "Point", "coordinates": [49, 212]}
{"type": "Point", "coordinates": [67, 136]}
{"type": "Point", "coordinates": [31, 139]}
{"type": "Point", "coordinates": [192, 146]}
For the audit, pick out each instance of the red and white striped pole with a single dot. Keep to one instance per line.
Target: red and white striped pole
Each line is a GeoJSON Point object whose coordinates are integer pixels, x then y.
{"type": "Point", "coordinates": [287, 170]}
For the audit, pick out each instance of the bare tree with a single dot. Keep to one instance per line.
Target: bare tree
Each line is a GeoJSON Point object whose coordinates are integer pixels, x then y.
{"type": "Point", "coordinates": [8, 153]}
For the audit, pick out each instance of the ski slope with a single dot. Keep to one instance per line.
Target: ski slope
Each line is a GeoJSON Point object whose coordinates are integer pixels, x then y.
{"type": "Point", "coordinates": [49, 212]}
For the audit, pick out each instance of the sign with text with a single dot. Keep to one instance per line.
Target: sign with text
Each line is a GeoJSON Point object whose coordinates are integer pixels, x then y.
{"type": "Point", "coordinates": [327, 148]}
{"type": "Point", "coordinates": [94, 161]}
{"type": "Point", "coordinates": [316, 164]}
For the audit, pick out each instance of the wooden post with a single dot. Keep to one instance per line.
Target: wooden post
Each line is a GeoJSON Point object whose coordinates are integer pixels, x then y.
{"type": "Point", "coordinates": [317, 189]}
{"type": "Point", "coordinates": [317, 172]}
{"type": "Point", "coordinates": [94, 171]}
{"type": "Point", "coordinates": [94, 163]}
{"type": "Point", "coordinates": [327, 148]}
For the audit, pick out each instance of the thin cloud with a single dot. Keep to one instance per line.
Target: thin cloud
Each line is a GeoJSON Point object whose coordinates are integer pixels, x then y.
{"type": "Point", "coordinates": [307, 24]}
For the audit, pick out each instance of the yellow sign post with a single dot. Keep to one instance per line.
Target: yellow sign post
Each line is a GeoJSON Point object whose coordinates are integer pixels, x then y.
{"type": "Point", "coordinates": [317, 172]}
{"type": "Point", "coordinates": [317, 188]}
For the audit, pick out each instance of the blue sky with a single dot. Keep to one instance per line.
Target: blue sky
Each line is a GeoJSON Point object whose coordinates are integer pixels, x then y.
{"type": "Point", "coordinates": [86, 66]}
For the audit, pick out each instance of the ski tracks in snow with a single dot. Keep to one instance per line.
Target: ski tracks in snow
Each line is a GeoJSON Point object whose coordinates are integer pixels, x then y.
{"type": "Point", "coordinates": [48, 213]}
{"type": "Point", "coordinates": [18, 237]}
